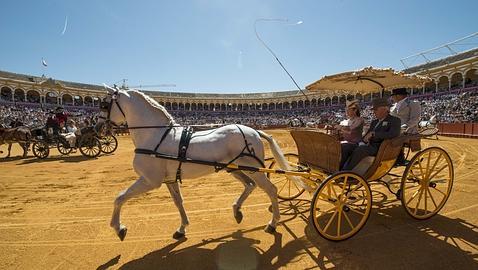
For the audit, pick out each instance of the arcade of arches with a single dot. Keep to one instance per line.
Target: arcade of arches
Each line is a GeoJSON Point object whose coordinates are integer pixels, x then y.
{"type": "Point", "coordinates": [50, 97]}
{"type": "Point", "coordinates": [459, 79]}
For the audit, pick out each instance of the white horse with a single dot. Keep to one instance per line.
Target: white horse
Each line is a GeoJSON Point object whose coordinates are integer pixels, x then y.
{"type": "Point", "coordinates": [149, 120]}
{"type": "Point", "coordinates": [431, 123]}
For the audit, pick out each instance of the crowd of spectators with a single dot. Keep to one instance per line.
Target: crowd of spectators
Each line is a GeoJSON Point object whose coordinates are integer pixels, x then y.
{"type": "Point", "coordinates": [37, 116]}
{"type": "Point", "coordinates": [448, 108]}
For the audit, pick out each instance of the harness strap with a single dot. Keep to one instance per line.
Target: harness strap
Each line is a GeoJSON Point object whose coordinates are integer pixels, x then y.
{"type": "Point", "coordinates": [250, 152]}
{"type": "Point", "coordinates": [183, 148]}
{"type": "Point", "coordinates": [166, 132]}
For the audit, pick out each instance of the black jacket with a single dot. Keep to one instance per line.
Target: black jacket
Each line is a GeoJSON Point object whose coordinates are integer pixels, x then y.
{"type": "Point", "coordinates": [389, 128]}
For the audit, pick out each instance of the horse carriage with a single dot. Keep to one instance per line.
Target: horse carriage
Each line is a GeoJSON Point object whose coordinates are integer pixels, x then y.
{"type": "Point", "coordinates": [88, 142]}
{"type": "Point", "coordinates": [341, 200]}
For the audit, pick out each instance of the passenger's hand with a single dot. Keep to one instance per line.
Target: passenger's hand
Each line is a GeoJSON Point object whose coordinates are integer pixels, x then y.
{"type": "Point", "coordinates": [368, 137]}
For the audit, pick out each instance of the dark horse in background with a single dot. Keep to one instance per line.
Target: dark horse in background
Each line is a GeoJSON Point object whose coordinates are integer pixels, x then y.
{"type": "Point", "coordinates": [20, 135]}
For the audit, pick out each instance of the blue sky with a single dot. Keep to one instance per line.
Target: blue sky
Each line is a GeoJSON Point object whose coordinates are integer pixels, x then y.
{"type": "Point", "coordinates": [210, 46]}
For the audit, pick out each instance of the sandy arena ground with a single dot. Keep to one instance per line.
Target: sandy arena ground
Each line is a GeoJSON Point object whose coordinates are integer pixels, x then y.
{"type": "Point", "coordinates": [55, 214]}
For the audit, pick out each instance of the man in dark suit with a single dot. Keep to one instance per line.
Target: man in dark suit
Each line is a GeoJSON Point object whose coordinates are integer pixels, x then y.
{"type": "Point", "coordinates": [382, 128]}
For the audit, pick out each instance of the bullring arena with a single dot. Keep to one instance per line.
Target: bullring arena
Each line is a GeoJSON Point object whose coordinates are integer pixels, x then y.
{"type": "Point", "coordinates": [55, 211]}
{"type": "Point", "coordinates": [55, 214]}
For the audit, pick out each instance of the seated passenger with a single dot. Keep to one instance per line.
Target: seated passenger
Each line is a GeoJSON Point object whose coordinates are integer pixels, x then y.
{"type": "Point", "coordinates": [71, 131]}
{"type": "Point", "coordinates": [382, 128]}
{"type": "Point", "coordinates": [351, 129]}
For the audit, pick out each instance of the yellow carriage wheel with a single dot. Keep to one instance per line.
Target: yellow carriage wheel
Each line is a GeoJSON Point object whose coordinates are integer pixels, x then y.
{"type": "Point", "coordinates": [427, 182]}
{"type": "Point", "coordinates": [287, 189]}
{"type": "Point", "coordinates": [341, 206]}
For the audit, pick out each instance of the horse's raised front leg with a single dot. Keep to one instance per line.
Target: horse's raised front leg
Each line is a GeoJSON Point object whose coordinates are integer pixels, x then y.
{"type": "Point", "coordinates": [178, 201]}
{"type": "Point", "coordinates": [249, 186]}
{"type": "Point", "coordinates": [139, 187]}
{"type": "Point", "coordinates": [263, 182]}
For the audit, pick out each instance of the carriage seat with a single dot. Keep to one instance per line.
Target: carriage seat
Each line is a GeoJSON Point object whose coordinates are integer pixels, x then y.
{"type": "Point", "coordinates": [322, 152]}
{"type": "Point", "coordinates": [375, 167]}
{"type": "Point", "coordinates": [317, 150]}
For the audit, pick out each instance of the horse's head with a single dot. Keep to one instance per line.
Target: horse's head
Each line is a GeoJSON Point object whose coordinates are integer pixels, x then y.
{"type": "Point", "coordinates": [110, 109]}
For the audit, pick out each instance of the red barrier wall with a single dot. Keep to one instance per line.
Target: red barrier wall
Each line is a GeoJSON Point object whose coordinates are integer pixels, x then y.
{"type": "Point", "coordinates": [458, 129]}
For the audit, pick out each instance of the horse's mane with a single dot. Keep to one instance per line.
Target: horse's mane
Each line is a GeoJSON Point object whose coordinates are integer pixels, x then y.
{"type": "Point", "coordinates": [153, 104]}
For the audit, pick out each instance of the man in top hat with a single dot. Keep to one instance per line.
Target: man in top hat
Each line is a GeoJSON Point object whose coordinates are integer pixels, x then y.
{"type": "Point", "coordinates": [60, 116]}
{"type": "Point", "coordinates": [385, 126]}
{"type": "Point", "coordinates": [407, 110]}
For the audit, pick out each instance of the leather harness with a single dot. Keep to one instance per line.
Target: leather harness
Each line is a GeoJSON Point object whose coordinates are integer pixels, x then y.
{"type": "Point", "coordinates": [186, 136]}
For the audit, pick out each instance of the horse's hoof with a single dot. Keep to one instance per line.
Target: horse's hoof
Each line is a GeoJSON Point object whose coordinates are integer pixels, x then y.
{"type": "Point", "coordinates": [238, 216]}
{"type": "Point", "coordinates": [178, 235]}
{"type": "Point", "coordinates": [122, 233]}
{"type": "Point", "coordinates": [270, 229]}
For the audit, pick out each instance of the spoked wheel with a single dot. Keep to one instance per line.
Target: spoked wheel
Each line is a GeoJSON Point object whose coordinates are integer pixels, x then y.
{"type": "Point", "coordinates": [427, 183]}
{"type": "Point", "coordinates": [41, 150]}
{"type": "Point", "coordinates": [90, 146]}
{"type": "Point", "coordinates": [63, 146]}
{"type": "Point", "coordinates": [287, 189]}
{"type": "Point", "coordinates": [109, 143]}
{"type": "Point", "coordinates": [341, 206]}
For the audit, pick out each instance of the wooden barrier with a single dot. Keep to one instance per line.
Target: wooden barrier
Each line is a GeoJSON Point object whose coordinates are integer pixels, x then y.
{"type": "Point", "coordinates": [458, 129]}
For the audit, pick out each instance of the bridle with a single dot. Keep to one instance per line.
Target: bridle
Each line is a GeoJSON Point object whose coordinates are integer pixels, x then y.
{"type": "Point", "coordinates": [107, 106]}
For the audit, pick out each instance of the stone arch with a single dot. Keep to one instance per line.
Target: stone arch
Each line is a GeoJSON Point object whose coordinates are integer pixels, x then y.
{"type": "Point", "coordinates": [19, 95]}
{"type": "Point", "coordinates": [88, 101]}
{"type": "Point", "coordinates": [430, 87]}
{"type": "Point", "coordinates": [51, 97]}
{"type": "Point", "coordinates": [286, 105]}
{"type": "Point", "coordinates": [335, 100]}
{"type": "Point", "coordinates": [33, 96]}
{"type": "Point", "coordinates": [79, 101]}
{"type": "Point", "coordinates": [443, 84]}
{"type": "Point", "coordinates": [67, 99]}
{"type": "Point", "coordinates": [456, 80]}
{"type": "Point", "coordinates": [471, 77]}
{"type": "Point", "coordinates": [6, 93]}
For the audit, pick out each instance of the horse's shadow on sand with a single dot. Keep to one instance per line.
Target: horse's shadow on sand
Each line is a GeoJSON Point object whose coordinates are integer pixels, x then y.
{"type": "Point", "coordinates": [389, 240]}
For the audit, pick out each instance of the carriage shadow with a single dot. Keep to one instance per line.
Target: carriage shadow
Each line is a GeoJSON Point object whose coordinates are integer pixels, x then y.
{"type": "Point", "coordinates": [15, 158]}
{"type": "Point", "coordinates": [75, 159]}
{"type": "Point", "coordinates": [391, 239]}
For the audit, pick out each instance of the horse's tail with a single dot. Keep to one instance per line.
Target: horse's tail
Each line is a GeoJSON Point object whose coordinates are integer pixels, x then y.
{"type": "Point", "coordinates": [280, 158]}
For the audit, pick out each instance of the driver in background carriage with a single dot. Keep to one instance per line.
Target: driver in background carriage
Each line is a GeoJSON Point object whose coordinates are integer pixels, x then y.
{"type": "Point", "coordinates": [52, 123]}
{"type": "Point", "coordinates": [385, 126]}
{"type": "Point", "coordinates": [61, 116]}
